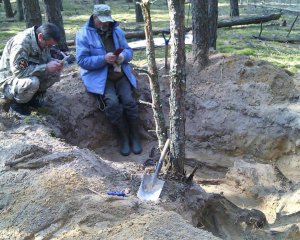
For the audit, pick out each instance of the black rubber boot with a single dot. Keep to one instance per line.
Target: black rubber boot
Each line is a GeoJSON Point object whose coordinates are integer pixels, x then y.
{"type": "Point", "coordinates": [37, 100]}
{"type": "Point", "coordinates": [124, 137]}
{"type": "Point", "coordinates": [19, 109]}
{"type": "Point", "coordinates": [135, 141]}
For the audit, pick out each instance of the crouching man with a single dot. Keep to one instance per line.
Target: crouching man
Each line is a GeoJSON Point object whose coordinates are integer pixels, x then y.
{"type": "Point", "coordinates": [26, 68]}
{"type": "Point", "coordinates": [108, 74]}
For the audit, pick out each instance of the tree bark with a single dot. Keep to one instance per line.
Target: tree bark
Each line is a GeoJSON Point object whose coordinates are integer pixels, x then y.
{"type": "Point", "coordinates": [213, 22]}
{"type": "Point", "coordinates": [160, 123]}
{"type": "Point", "coordinates": [8, 9]}
{"type": "Point", "coordinates": [177, 85]}
{"type": "Point", "coordinates": [32, 13]}
{"type": "Point", "coordinates": [53, 15]}
{"type": "Point", "coordinates": [138, 12]}
{"type": "Point", "coordinates": [20, 10]}
{"type": "Point", "coordinates": [200, 32]}
{"type": "Point", "coordinates": [61, 5]}
{"type": "Point", "coordinates": [234, 8]}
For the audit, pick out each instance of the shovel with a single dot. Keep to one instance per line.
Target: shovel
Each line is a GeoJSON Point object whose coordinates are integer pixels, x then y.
{"type": "Point", "coordinates": [151, 186]}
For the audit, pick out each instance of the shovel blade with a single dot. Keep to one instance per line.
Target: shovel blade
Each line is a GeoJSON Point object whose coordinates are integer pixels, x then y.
{"type": "Point", "coordinates": [150, 188]}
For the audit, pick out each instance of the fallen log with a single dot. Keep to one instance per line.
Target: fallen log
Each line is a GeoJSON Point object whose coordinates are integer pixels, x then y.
{"type": "Point", "coordinates": [278, 39]}
{"type": "Point", "coordinates": [222, 23]}
{"type": "Point", "coordinates": [248, 20]}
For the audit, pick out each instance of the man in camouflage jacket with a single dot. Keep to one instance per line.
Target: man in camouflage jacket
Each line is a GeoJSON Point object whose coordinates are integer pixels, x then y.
{"type": "Point", "coordinates": [26, 67]}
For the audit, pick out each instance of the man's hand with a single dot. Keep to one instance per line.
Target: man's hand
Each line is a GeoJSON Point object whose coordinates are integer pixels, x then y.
{"type": "Point", "coordinates": [120, 59]}
{"type": "Point", "coordinates": [54, 66]}
{"type": "Point", "coordinates": [110, 58]}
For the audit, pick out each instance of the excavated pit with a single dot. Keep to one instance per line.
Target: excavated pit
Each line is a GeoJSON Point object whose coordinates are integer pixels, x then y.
{"type": "Point", "coordinates": [238, 110]}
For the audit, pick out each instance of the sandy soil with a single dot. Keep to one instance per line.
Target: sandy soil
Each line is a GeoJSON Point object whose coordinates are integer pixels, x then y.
{"type": "Point", "coordinates": [242, 130]}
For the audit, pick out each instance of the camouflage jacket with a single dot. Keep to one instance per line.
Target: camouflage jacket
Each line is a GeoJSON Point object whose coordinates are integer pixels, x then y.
{"type": "Point", "coordinates": [22, 57]}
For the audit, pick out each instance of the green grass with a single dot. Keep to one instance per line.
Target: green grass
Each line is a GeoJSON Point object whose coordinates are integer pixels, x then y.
{"type": "Point", "coordinates": [235, 40]}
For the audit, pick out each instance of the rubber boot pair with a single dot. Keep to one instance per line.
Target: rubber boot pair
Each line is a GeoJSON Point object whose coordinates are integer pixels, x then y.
{"type": "Point", "coordinates": [129, 140]}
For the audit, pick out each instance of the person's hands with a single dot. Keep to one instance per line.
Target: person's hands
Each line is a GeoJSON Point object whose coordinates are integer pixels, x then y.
{"type": "Point", "coordinates": [54, 66]}
{"type": "Point", "coordinates": [110, 58]}
{"type": "Point", "coordinates": [120, 59]}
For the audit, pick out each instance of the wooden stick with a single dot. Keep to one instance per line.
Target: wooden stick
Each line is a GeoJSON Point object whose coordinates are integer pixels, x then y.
{"type": "Point", "coordinates": [292, 26]}
{"type": "Point", "coordinates": [18, 160]}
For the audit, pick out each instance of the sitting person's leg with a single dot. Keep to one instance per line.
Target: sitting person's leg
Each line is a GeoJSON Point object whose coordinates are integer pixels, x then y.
{"type": "Point", "coordinates": [21, 91]}
{"type": "Point", "coordinates": [130, 107]}
{"type": "Point", "coordinates": [114, 113]}
{"type": "Point", "coordinates": [48, 81]}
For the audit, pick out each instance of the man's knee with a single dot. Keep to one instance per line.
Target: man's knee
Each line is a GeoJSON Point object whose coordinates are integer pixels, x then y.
{"type": "Point", "coordinates": [22, 89]}
{"type": "Point", "coordinates": [35, 83]}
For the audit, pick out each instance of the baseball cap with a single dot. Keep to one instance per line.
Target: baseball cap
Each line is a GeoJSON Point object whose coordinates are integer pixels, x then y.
{"type": "Point", "coordinates": [103, 12]}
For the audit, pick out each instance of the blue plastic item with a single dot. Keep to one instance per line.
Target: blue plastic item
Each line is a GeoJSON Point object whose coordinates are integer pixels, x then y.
{"type": "Point", "coordinates": [120, 194]}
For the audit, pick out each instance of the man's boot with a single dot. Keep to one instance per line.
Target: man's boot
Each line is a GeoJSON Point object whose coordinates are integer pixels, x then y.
{"type": "Point", "coordinates": [135, 141]}
{"type": "Point", "coordinates": [37, 100]}
{"type": "Point", "coordinates": [124, 137]}
{"type": "Point", "coordinates": [20, 110]}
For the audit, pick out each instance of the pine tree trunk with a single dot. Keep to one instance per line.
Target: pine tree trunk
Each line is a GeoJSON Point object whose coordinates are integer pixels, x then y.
{"type": "Point", "coordinates": [20, 10]}
{"type": "Point", "coordinates": [8, 9]}
{"type": "Point", "coordinates": [138, 12]}
{"type": "Point", "coordinates": [213, 22]}
{"type": "Point", "coordinates": [177, 85]}
{"type": "Point", "coordinates": [32, 13]}
{"type": "Point", "coordinates": [234, 8]}
{"type": "Point", "coordinates": [53, 15]}
{"type": "Point", "coordinates": [61, 5]}
{"type": "Point", "coordinates": [160, 124]}
{"type": "Point", "coordinates": [200, 32]}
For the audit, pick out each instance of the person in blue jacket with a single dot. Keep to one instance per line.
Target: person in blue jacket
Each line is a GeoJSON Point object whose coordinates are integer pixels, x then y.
{"type": "Point", "coordinates": [108, 75]}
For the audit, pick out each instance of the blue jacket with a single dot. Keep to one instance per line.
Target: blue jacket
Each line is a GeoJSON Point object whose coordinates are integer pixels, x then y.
{"type": "Point", "coordinates": [90, 53]}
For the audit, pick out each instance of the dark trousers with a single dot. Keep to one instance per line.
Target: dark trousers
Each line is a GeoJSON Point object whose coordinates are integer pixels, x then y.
{"type": "Point", "coordinates": [119, 99]}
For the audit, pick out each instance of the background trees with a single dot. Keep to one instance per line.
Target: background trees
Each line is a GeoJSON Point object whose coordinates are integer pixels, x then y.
{"type": "Point", "coordinates": [32, 13]}
{"type": "Point", "coordinates": [8, 9]}
{"type": "Point", "coordinates": [53, 15]}
{"type": "Point", "coordinates": [234, 8]}
{"type": "Point", "coordinates": [200, 31]}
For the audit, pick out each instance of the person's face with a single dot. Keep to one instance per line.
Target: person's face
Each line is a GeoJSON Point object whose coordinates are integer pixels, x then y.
{"type": "Point", "coordinates": [45, 43]}
{"type": "Point", "coordinates": [100, 25]}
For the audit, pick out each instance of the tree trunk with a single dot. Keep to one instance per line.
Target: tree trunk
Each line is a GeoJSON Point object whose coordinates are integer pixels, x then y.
{"type": "Point", "coordinates": [177, 85]}
{"type": "Point", "coordinates": [32, 13]}
{"type": "Point", "coordinates": [8, 9]}
{"type": "Point", "coordinates": [200, 32]}
{"type": "Point", "coordinates": [20, 10]}
{"type": "Point", "coordinates": [61, 5]}
{"type": "Point", "coordinates": [53, 15]}
{"type": "Point", "coordinates": [213, 23]}
{"type": "Point", "coordinates": [160, 124]}
{"type": "Point", "coordinates": [234, 8]}
{"type": "Point", "coordinates": [138, 12]}
{"type": "Point", "coordinates": [99, 1]}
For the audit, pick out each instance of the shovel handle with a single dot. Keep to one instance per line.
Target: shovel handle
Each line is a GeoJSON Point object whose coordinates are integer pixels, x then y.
{"type": "Point", "coordinates": [161, 159]}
